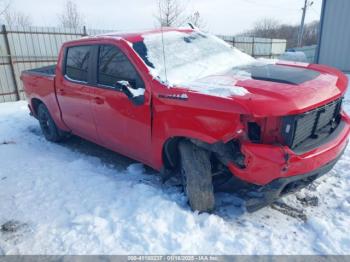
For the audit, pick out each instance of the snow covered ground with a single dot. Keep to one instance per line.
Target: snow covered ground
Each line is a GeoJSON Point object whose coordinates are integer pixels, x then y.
{"type": "Point", "coordinates": [77, 198]}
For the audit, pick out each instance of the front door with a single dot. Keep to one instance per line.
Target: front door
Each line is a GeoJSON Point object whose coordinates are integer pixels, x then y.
{"type": "Point", "coordinates": [121, 124]}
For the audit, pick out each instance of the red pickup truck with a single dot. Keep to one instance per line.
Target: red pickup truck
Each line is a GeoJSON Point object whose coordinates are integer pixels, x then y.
{"type": "Point", "coordinates": [189, 105]}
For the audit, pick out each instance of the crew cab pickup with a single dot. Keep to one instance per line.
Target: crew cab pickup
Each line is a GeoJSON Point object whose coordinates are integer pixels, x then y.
{"type": "Point", "coordinates": [191, 106]}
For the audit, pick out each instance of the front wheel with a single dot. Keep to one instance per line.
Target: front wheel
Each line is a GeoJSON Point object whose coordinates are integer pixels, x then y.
{"type": "Point", "coordinates": [48, 126]}
{"type": "Point", "coordinates": [197, 177]}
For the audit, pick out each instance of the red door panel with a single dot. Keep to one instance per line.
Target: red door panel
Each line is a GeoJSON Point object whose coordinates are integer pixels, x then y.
{"type": "Point", "coordinates": [74, 94]}
{"type": "Point", "coordinates": [75, 102]}
{"type": "Point", "coordinates": [121, 125]}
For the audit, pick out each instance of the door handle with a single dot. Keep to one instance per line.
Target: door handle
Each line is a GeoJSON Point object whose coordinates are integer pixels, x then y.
{"type": "Point", "coordinates": [98, 100]}
{"type": "Point", "coordinates": [61, 91]}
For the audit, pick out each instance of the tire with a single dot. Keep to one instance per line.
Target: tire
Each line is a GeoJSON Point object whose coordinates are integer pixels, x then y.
{"type": "Point", "coordinates": [197, 177]}
{"type": "Point", "coordinates": [48, 126]}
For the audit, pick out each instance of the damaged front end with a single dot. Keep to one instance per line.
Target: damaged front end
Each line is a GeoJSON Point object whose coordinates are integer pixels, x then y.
{"type": "Point", "coordinates": [261, 196]}
{"type": "Point", "coordinates": [271, 157]}
{"type": "Point", "coordinates": [265, 162]}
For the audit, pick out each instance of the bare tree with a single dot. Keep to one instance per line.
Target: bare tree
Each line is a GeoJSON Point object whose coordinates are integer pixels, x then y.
{"type": "Point", "coordinates": [197, 20]}
{"type": "Point", "coordinates": [12, 17]}
{"type": "Point", "coordinates": [311, 33]}
{"type": "Point", "coordinates": [3, 7]}
{"type": "Point", "coordinates": [271, 28]}
{"type": "Point", "coordinates": [15, 18]}
{"type": "Point", "coordinates": [171, 13]}
{"type": "Point", "coordinates": [266, 27]}
{"type": "Point", "coordinates": [71, 17]}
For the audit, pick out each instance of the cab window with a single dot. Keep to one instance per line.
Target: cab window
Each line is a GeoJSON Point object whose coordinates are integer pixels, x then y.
{"type": "Point", "coordinates": [77, 63]}
{"type": "Point", "coordinates": [114, 66]}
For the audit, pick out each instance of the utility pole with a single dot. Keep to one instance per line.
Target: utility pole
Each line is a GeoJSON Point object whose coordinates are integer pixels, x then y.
{"type": "Point", "coordinates": [301, 29]}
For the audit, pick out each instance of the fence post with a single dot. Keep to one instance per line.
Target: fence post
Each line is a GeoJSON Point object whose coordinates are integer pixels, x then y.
{"type": "Point", "coordinates": [84, 31]}
{"type": "Point", "coordinates": [12, 68]}
{"type": "Point", "coordinates": [253, 47]}
{"type": "Point", "coordinates": [271, 40]}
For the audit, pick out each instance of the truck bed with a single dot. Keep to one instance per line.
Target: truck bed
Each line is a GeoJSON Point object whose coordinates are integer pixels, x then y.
{"type": "Point", "coordinates": [44, 71]}
{"type": "Point", "coordinates": [39, 83]}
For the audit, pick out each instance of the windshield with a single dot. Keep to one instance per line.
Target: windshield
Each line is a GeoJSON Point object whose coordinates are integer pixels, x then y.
{"type": "Point", "coordinates": [188, 56]}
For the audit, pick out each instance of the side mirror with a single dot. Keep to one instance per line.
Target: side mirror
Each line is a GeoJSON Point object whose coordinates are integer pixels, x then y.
{"type": "Point", "coordinates": [124, 86]}
{"type": "Point", "coordinates": [135, 95]}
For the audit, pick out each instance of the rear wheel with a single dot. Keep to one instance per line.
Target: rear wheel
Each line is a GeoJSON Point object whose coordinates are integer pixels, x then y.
{"type": "Point", "coordinates": [197, 177]}
{"type": "Point", "coordinates": [48, 126]}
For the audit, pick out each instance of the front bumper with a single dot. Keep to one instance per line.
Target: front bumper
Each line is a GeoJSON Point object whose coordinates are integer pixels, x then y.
{"type": "Point", "coordinates": [266, 195]}
{"type": "Point", "coordinates": [266, 163]}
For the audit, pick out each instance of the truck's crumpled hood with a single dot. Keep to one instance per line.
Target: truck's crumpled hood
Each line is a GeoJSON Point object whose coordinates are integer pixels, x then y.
{"type": "Point", "coordinates": [272, 89]}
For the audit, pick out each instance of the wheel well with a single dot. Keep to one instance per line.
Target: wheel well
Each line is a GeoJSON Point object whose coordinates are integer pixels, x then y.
{"type": "Point", "coordinates": [225, 153]}
{"type": "Point", "coordinates": [35, 104]}
{"type": "Point", "coordinates": [170, 153]}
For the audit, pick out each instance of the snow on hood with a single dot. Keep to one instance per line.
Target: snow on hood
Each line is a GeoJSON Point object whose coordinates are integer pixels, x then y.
{"type": "Point", "coordinates": [208, 65]}
{"type": "Point", "coordinates": [220, 86]}
{"type": "Point", "coordinates": [189, 57]}
{"type": "Point", "coordinates": [224, 84]}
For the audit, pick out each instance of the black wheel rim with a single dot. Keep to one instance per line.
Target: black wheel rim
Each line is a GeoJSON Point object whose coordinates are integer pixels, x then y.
{"type": "Point", "coordinates": [183, 178]}
{"type": "Point", "coordinates": [45, 124]}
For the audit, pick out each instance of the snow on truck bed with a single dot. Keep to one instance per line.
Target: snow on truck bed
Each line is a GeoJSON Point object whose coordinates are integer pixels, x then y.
{"type": "Point", "coordinates": [77, 198]}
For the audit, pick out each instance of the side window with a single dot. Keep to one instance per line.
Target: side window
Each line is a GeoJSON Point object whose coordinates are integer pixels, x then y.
{"type": "Point", "coordinates": [114, 66]}
{"type": "Point", "coordinates": [77, 63]}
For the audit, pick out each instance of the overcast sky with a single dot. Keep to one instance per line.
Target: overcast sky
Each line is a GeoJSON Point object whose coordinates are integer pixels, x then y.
{"type": "Point", "coordinates": [221, 16]}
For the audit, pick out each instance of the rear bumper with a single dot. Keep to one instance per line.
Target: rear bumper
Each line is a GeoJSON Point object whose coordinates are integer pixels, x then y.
{"type": "Point", "coordinates": [266, 195]}
{"type": "Point", "coordinates": [266, 163]}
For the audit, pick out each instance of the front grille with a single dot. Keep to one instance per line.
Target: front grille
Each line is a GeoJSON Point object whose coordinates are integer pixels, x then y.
{"type": "Point", "coordinates": [298, 128]}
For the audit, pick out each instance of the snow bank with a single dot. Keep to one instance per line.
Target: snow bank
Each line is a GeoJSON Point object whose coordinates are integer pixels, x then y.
{"type": "Point", "coordinates": [189, 57]}
{"type": "Point", "coordinates": [76, 198]}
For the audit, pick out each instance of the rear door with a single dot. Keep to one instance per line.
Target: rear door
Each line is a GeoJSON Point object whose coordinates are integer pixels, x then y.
{"type": "Point", "coordinates": [122, 125]}
{"type": "Point", "coordinates": [74, 93]}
